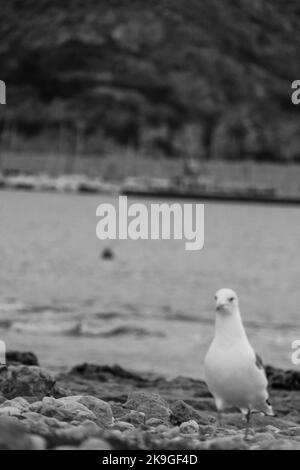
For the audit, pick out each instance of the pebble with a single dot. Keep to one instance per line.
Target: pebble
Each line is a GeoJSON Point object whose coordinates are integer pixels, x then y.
{"type": "Point", "coordinates": [189, 427]}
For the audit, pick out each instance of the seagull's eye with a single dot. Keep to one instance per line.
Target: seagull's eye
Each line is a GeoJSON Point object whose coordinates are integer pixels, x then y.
{"type": "Point", "coordinates": [231, 299]}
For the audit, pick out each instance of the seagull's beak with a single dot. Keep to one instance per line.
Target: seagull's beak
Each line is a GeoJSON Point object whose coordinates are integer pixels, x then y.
{"type": "Point", "coordinates": [220, 305]}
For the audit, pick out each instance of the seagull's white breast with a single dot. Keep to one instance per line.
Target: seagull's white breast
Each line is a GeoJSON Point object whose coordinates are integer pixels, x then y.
{"type": "Point", "coordinates": [232, 375]}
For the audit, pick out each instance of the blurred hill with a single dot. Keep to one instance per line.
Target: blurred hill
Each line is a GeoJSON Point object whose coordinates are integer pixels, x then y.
{"type": "Point", "coordinates": [205, 78]}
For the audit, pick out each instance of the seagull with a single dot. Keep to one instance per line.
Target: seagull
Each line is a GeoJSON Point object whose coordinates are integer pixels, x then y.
{"type": "Point", "coordinates": [234, 373]}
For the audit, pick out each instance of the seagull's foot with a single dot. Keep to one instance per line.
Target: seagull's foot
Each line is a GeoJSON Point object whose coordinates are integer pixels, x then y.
{"type": "Point", "coordinates": [249, 433]}
{"type": "Point", "coordinates": [217, 425]}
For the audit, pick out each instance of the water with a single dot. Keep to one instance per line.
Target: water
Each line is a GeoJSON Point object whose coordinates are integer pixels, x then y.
{"type": "Point", "coordinates": [151, 307]}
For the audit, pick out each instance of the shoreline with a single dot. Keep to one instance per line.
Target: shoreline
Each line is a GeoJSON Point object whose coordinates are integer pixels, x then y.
{"type": "Point", "coordinates": [143, 175]}
{"type": "Point", "coordinates": [82, 184]}
{"type": "Point", "coordinates": [112, 408]}
{"type": "Point", "coordinates": [213, 196]}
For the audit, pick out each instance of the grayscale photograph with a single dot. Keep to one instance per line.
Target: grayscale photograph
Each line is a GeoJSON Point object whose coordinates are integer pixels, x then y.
{"type": "Point", "coordinates": [149, 227]}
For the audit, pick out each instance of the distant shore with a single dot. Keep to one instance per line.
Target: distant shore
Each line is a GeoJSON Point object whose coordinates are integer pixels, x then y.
{"type": "Point", "coordinates": [157, 177]}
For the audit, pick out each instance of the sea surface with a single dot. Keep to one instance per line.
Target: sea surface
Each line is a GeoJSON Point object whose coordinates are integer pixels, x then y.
{"type": "Point", "coordinates": [151, 307]}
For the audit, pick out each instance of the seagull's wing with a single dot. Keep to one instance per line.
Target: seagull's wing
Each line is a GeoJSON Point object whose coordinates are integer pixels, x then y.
{"type": "Point", "coordinates": [260, 365]}
{"type": "Point", "coordinates": [258, 362]}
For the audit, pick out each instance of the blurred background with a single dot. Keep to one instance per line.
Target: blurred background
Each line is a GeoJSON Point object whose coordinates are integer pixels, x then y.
{"type": "Point", "coordinates": [163, 99]}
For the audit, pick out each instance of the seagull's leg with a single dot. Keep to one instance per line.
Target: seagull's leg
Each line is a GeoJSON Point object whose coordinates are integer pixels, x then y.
{"type": "Point", "coordinates": [220, 405]}
{"type": "Point", "coordinates": [248, 415]}
{"type": "Point", "coordinates": [217, 424]}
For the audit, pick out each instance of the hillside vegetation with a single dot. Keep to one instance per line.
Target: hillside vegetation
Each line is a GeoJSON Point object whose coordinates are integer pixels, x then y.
{"type": "Point", "coordinates": [203, 78]}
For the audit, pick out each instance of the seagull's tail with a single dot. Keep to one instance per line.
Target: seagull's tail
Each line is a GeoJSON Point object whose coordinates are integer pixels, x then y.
{"type": "Point", "coordinates": [269, 409]}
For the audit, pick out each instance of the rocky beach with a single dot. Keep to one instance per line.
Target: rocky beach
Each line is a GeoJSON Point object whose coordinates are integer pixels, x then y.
{"type": "Point", "coordinates": [98, 407]}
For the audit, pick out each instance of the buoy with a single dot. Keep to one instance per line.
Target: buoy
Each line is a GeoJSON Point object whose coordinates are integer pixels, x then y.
{"type": "Point", "coordinates": [107, 254]}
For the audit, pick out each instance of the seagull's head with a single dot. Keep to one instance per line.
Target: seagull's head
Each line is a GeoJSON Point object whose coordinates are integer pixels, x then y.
{"type": "Point", "coordinates": [226, 302]}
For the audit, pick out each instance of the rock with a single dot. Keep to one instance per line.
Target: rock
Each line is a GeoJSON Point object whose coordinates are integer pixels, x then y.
{"type": "Point", "coordinates": [182, 412]}
{"type": "Point", "coordinates": [234, 420]}
{"type": "Point", "coordinates": [282, 444]}
{"type": "Point", "coordinates": [226, 443]}
{"type": "Point", "coordinates": [116, 434]}
{"type": "Point", "coordinates": [61, 392]}
{"type": "Point", "coordinates": [78, 407]}
{"type": "Point", "coordinates": [47, 401]}
{"type": "Point", "coordinates": [151, 404]}
{"type": "Point", "coordinates": [260, 422]}
{"type": "Point", "coordinates": [16, 381]}
{"type": "Point", "coordinates": [283, 379]}
{"type": "Point", "coordinates": [123, 426]}
{"type": "Point", "coordinates": [186, 384]}
{"type": "Point", "coordinates": [100, 408]}
{"type": "Point", "coordinates": [155, 422]}
{"type": "Point", "coordinates": [24, 358]}
{"type": "Point", "coordinates": [206, 430]}
{"type": "Point", "coordinates": [58, 433]}
{"type": "Point", "coordinates": [63, 414]}
{"type": "Point", "coordinates": [10, 411]}
{"type": "Point", "coordinates": [293, 431]}
{"type": "Point", "coordinates": [272, 429]}
{"type": "Point", "coordinates": [18, 402]}
{"type": "Point", "coordinates": [65, 448]}
{"type": "Point", "coordinates": [15, 407]}
{"type": "Point", "coordinates": [134, 417]}
{"type": "Point", "coordinates": [73, 435]}
{"type": "Point", "coordinates": [262, 437]}
{"type": "Point", "coordinates": [138, 398]}
{"type": "Point", "coordinates": [106, 373]}
{"type": "Point", "coordinates": [162, 428]}
{"type": "Point", "coordinates": [13, 436]}
{"type": "Point", "coordinates": [95, 444]}
{"type": "Point", "coordinates": [171, 433]}
{"type": "Point", "coordinates": [118, 410]}
{"type": "Point", "coordinates": [41, 425]}
{"type": "Point", "coordinates": [189, 427]}
{"type": "Point", "coordinates": [66, 409]}
{"type": "Point", "coordinates": [35, 406]}
{"type": "Point", "coordinates": [51, 417]}
{"type": "Point", "coordinates": [38, 442]}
